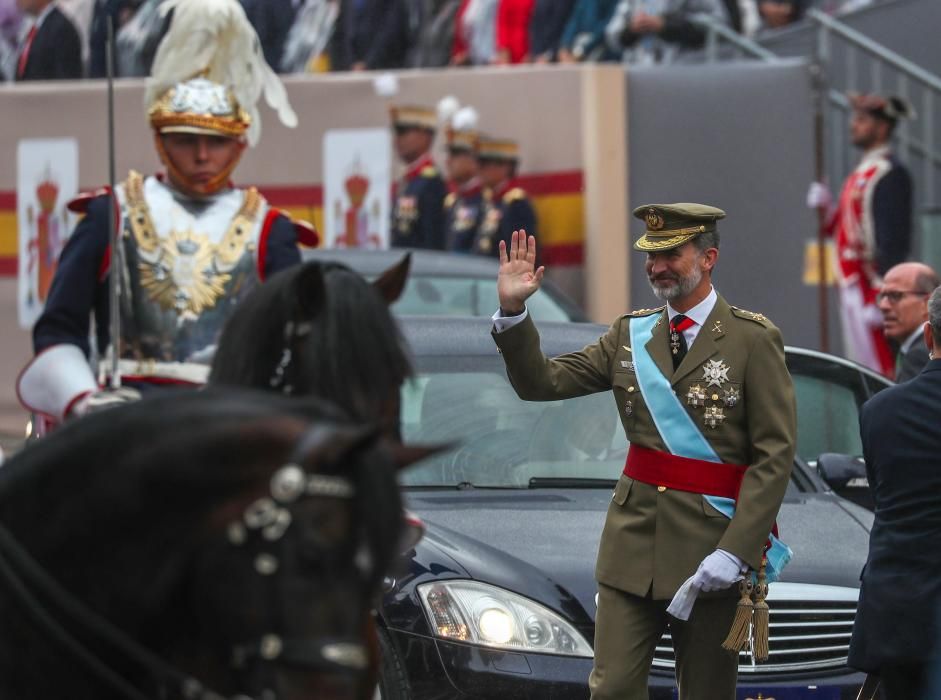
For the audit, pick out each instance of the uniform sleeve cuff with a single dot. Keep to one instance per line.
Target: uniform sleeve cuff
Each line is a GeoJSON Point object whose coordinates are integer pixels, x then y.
{"type": "Point", "coordinates": [502, 323]}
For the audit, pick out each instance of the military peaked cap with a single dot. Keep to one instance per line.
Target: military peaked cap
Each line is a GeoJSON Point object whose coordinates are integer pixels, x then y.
{"type": "Point", "coordinates": [672, 225]}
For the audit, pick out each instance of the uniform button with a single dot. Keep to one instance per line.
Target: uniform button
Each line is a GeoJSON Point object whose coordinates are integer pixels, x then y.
{"type": "Point", "coordinates": [630, 389]}
{"type": "Point", "coordinates": [661, 489]}
{"type": "Point", "coordinates": [715, 397]}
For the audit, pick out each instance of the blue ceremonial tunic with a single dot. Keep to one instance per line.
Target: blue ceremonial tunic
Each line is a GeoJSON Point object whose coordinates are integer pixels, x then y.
{"type": "Point", "coordinates": [418, 212]}
{"type": "Point", "coordinates": [464, 212]}
{"type": "Point", "coordinates": [507, 210]}
{"type": "Point", "coordinates": [80, 286]}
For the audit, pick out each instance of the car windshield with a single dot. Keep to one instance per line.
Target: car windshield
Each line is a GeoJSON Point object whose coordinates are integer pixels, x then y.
{"type": "Point", "coordinates": [504, 441]}
{"type": "Point", "coordinates": [501, 441]}
{"type": "Point", "coordinates": [429, 295]}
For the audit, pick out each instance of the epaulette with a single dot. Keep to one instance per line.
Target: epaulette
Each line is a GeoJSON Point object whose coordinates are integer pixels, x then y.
{"type": "Point", "coordinates": [646, 312]}
{"type": "Point", "coordinates": [450, 200]}
{"type": "Point", "coordinates": [514, 194]}
{"type": "Point", "coordinates": [79, 204]}
{"type": "Point", "coordinates": [428, 171]}
{"type": "Point", "coordinates": [751, 316]}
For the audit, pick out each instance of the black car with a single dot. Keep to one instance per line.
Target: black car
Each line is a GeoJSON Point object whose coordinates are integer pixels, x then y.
{"type": "Point", "coordinates": [498, 599]}
{"type": "Point", "coordinates": [449, 284]}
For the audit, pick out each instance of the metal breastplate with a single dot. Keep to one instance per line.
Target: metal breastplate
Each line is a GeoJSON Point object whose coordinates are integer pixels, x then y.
{"type": "Point", "coordinates": [187, 264]}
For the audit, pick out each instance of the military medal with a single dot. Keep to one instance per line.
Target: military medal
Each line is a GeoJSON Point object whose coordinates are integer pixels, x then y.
{"type": "Point", "coordinates": [730, 397]}
{"type": "Point", "coordinates": [715, 372]}
{"type": "Point", "coordinates": [696, 397]}
{"type": "Point", "coordinates": [714, 416]}
{"type": "Point", "coordinates": [674, 341]}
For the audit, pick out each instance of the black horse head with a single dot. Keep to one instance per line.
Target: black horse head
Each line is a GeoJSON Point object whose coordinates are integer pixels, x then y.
{"type": "Point", "coordinates": [320, 329]}
{"type": "Point", "coordinates": [221, 540]}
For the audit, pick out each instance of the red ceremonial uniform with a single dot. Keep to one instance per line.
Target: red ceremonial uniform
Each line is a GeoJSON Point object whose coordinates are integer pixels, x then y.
{"type": "Point", "coordinates": [872, 231]}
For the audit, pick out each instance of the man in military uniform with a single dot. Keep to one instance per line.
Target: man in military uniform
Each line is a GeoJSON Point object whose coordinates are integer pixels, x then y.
{"type": "Point", "coordinates": [464, 205]}
{"type": "Point", "coordinates": [871, 225]}
{"type": "Point", "coordinates": [506, 206]}
{"type": "Point", "coordinates": [193, 244]}
{"type": "Point", "coordinates": [708, 406]}
{"type": "Point", "coordinates": [418, 212]}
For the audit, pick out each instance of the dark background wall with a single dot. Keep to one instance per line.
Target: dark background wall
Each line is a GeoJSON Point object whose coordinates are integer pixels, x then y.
{"type": "Point", "coordinates": [738, 136]}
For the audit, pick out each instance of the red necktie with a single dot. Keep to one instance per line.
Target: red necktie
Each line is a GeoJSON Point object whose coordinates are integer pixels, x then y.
{"type": "Point", "coordinates": [678, 324]}
{"type": "Point", "coordinates": [24, 57]}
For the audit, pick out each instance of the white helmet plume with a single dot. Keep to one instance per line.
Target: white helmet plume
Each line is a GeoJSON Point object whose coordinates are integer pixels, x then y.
{"type": "Point", "coordinates": [214, 39]}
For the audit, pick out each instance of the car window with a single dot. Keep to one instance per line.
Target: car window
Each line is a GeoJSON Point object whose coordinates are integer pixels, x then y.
{"type": "Point", "coordinates": [465, 296]}
{"type": "Point", "coordinates": [503, 441]}
{"type": "Point", "coordinates": [829, 395]}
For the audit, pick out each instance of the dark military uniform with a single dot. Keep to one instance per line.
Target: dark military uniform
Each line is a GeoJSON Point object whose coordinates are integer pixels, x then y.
{"type": "Point", "coordinates": [734, 386]}
{"type": "Point", "coordinates": [506, 210]}
{"type": "Point", "coordinates": [464, 212]}
{"type": "Point", "coordinates": [418, 215]}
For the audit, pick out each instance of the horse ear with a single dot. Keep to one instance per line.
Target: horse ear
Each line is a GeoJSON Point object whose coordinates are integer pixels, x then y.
{"type": "Point", "coordinates": [391, 282]}
{"type": "Point", "coordinates": [404, 456]}
{"type": "Point", "coordinates": [310, 290]}
{"type": "Point", "coordinates": [327, 444]}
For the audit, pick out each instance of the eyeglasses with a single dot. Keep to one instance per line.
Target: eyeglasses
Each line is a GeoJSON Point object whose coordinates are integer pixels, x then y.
{"type": "Point", "coordinates": [895, 297]}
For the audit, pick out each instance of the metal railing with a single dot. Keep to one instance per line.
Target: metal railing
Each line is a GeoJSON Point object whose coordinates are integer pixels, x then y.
{"type": "Point", "coordinates": [847, 60]}
{"type": "Point", "coordinates": [888, 72]}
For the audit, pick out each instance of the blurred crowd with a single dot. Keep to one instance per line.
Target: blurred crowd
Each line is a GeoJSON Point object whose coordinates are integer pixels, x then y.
{"type": "Point", "coordinates": [323, 35]}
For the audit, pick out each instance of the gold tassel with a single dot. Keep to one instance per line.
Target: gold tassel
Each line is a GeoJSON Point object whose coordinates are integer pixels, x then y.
{"type": "Point", "coordinates": [761, 620]}
{"type": "Point", "coordinates": [738, 635]}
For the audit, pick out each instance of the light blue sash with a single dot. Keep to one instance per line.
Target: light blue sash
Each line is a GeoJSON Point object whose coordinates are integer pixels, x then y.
{"type": "Point", "coordinates": [678, 431]}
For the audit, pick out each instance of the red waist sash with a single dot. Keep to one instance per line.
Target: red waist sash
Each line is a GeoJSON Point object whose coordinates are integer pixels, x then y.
{"type": "Point", "coordinates": [683, 473]}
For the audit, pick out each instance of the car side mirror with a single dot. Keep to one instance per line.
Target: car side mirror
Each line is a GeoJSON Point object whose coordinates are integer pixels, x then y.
{"type": "Point", "coordinates": [846, 475]}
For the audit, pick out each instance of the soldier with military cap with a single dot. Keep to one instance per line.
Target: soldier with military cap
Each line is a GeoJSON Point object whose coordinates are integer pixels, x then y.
{"type": "Point", "coordinates": [707, 403]}
{"type": "Point", "coordinates": [194, 244]}
{"type": "Point", "coordinates": [507, 207]}
{"type": "Point", "coordinates": [464, 205]}
{"type": "Point", "coordinates": [418, 210]}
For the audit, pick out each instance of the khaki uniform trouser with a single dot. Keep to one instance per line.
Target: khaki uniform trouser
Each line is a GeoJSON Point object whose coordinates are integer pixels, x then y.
{"type": "Point", "coordinates": [627, 629]}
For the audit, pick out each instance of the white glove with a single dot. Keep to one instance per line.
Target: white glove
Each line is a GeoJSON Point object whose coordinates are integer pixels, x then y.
{"type": "Point", "coordinates": [818, 196]}
{"type": "Point", "coordinates": [718, 571]}
{"type": "Point", "coordinates": [100, 400]}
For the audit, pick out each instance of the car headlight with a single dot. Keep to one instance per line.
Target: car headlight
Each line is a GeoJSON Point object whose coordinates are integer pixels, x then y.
{"type": "Point", "coordinates": [478, 613]}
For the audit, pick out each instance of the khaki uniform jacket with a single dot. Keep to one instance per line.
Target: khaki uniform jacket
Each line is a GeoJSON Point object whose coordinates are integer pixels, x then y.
{"type": "Point", "coordinates": [655, 538]}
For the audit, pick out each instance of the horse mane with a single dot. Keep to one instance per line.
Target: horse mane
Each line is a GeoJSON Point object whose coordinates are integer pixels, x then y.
{"type": "Point", "coordinates": [117, 505]}
{"type": "Point", "coordinates": [351, 353]}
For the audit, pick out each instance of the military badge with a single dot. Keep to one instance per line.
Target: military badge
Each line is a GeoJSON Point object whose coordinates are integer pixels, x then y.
{"type": "Point", "coordinates": [629, 366]}
{"type": "Point", "coordinates": [730, 397]}
{"type": "Point", "coordinates": [654, 220]}
{"type": "Point", "coordinates": [696, 397]}
{"type": "Point", "coordinates": [714, 417]}
{"type": "Point", "coordinates": [715, 372]}
{"type": "Point", "coordinates": [628, 409]}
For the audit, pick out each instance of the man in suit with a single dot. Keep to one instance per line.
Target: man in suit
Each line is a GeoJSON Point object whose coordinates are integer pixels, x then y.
{"type": "Point", "coordinates": [52, 49]}
{"type": "Point", "coordinates": [896, 630]}
{"type": "Point", "coordinates": [507, 207]}
{"type": "Point", "coordinates": [708, 406]}
{"type": "Point", "coordinates": [418, 219]}
{"type": "Point", "coordinates": [903, 301]}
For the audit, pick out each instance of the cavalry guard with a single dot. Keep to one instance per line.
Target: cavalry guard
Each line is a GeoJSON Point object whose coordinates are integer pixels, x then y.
{"type": "Point", "coordinates": [507, 207]}
{"type": "Point", "coordinates": [193, 244]}
{"type": "Point", "coordinates": [418, 211]}
{"type": "Point", "coordinates": [464, 206]}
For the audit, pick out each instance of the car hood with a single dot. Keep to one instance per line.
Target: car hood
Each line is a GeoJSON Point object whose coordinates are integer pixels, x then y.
{"type": "Point", "coordinates": [543, 544]}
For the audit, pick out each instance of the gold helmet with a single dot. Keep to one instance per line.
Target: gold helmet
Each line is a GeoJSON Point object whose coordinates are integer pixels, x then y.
{"type": "Point", "coordinates": [208, 76]}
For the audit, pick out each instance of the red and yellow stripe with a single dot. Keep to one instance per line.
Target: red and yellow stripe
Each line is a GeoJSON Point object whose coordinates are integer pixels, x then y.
{"type": "Point", "coordinates": [557, 197]}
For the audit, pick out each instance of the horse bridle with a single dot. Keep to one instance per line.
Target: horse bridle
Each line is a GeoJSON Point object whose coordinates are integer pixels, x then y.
{"type": "Point", "coordinates": [271, 517]}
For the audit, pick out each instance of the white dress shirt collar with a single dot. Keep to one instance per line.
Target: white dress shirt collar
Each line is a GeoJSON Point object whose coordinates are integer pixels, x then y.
{"type": "Point", "coordinates": [698, 314]}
